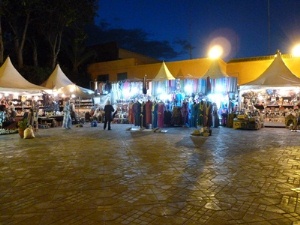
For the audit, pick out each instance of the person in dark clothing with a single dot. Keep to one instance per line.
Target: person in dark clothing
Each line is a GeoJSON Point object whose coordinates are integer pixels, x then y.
{"type": "Point", "coordinates": [2, 106]}
{"type": "Point", "coordinates": [108, 110]}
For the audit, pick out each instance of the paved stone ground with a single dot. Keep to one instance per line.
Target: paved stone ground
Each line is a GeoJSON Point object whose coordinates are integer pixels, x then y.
{"type": "Point", "coordinates": [93, 176]}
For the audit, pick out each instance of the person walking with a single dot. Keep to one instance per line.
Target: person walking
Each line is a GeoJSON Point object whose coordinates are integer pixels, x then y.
{"type": "Point", "coordinates": [108, 110]}
{"type": "Point", "coordinates": [67, 121]}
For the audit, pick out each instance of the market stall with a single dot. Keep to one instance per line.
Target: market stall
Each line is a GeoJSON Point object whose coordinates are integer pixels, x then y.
{"type": "Point", "coordinates": [61, 87]}
{"type": "Point", "coordinates": [17, 95]}
{"type": "Point", "coordinates": [163, 84]}
{"type": "Point", "coordinates": [220, 90]}
{"type": "Point", "coordinates": [275, 94]}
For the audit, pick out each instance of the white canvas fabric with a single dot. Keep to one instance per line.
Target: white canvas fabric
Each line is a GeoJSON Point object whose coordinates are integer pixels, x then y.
{"type": "Point", "coordinates": [57, 79]}
{"type": "Point", "coordinates": [163, 74]}
{"type": "Point", "coordinates": [215, 71]}
{"type": "Point", "coordinates": [276, 75]}
{"type": "Point", "coordinates": [12, 81]}
{"type": "Point", "coordinates": [59, 82]}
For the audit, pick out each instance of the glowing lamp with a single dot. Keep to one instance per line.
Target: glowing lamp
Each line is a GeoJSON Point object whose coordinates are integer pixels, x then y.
{"type": "Point", "coordinates": [134, 91]}
{"type": "Point", "coordinates": [219, 88]}
{"type": "Point", "coordinates": [188, 89]}
{"type": "Point", "coordinates": [72, 88]}
{"type": "Point", "coordinates": [215, 52]}
{"type": "Point", "coordinates": [16, 96]}
{"type": "Point", "coordinates": [126, 93]}
{"type": "Point", "coordinates": [159, 90]}
{"type": "Point", "coordinates": [296, 51]}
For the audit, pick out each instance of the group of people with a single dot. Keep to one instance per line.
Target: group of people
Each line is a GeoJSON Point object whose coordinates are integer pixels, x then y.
{"type": "Point", "coordinates": [69, 112]}
{"type": "Point", "coordinates": [7, 113]}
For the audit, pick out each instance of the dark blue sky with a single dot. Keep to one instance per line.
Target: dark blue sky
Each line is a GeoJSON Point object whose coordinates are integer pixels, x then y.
{"type": "Point", "coordinates": [243, 27]}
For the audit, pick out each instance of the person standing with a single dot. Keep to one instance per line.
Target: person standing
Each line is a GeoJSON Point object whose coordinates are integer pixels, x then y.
{"type": "Point", "coordinates": [216, 120]}
{"type": "Point", "coordinates": [73, 113]}
{"type": "Point", "coordinates": [11, 111]}
{"type": "Point", "coordinates": [108, 110]}
{"type": "Point", "coordinates": [67, 121]}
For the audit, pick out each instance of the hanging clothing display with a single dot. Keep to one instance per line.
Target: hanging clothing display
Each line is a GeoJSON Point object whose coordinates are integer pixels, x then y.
{"type": "Point", "coordinates": [154, 114]}
{"type": "Point", "coordinates": [194, 114]}
{"type": "Point", "coordinates": [160, 115]}
{"type": "Point", "coordinates": [130, 113]}
{"type": "Point", "coordinates": [143, 115]}
{"type": "Point", "coordinates": [167, 117]}
{"type": "Point", "coordinates": [184, 112]}
{"type": "Point", "coordinates": [137, 113]}
{"type": "Point", "coordinates": [148, 112]}
{"type": "Point", "coordinates": [208, 113]}
{"type": "Point", "coordinates": [201, 110]}
{"type": "Point", "coordinates": [176, 116]}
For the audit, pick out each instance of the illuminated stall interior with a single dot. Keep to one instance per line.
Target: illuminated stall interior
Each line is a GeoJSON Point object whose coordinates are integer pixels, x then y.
{"type": "Point", "coordinates": [21, 93]}
{"type": "Point", "coordinates": [275, 94]}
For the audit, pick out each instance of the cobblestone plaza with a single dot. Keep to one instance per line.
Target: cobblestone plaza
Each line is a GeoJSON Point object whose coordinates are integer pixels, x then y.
{"type": "Point", "coordinates": [93, 176]}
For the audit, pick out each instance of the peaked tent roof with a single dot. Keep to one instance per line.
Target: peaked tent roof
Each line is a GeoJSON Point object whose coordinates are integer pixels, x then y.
{"type": "Point", "coordinates": [163, 74]}
{"type": "Point", "coordinates": [59, 81]}
{"type": "Point", "coordinates": [276, 75]}
{"type": "Point", "coordinates": [12, 80]}
{"type": "Point", "coordinates": [76, 90]}
{"type": "Point", "coordinates": [215, 71]}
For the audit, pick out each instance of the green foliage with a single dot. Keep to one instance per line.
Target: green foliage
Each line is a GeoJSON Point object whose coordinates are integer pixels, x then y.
{"type": "Point", "coordinates": [35, 29]}
{"type": "Point", "coordinates": [22, 124]}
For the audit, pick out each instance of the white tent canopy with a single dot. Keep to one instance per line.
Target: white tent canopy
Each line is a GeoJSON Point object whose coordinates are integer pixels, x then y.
{"type": "Point", "coordinates": [217, 80]}
{"type": "Point", "coordinates": [215, 71]}
{"type": "Point", "coordinates": [59, 82]}
{"type": "Point", "coordinates": [73, 89]}
{"type": "Point", "coordinates": [163, 74]}
{"type": "Point", "coordinates": [276, 75]}
{"type": "Point", "coordinates": [12, 81]}
{"type": "Point", "coordinates": [57, 79]}
{"type": "Point", "coordinates": [162, 82]}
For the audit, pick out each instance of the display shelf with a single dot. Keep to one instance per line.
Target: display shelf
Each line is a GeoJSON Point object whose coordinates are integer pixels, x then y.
{"type": "Point", "coordinates": [275, 115]}
{"type": "Point", "coordinates": [275, 121]}
{"type": "Point", "coordinates": [84, 103]}
{"type": "Point", "coordinates": [27, 104]}
{"type": "Point", "coordinates": [121, 115]}
{"type": "Point", "coordinates": [246, 124]}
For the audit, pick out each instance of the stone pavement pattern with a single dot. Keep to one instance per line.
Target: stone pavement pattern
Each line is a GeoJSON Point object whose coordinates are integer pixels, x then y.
{"type": "Point", "coordinates": [93, 176]}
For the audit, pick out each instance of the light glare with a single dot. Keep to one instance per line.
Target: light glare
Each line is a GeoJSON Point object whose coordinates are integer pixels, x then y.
{"type": "Point", "coordinates": [215, 52]}
{"type": "Point", "coordinates": [296, 51]}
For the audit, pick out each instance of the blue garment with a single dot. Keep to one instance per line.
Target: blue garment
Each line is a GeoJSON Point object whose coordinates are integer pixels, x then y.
{"type": "Point", "coordinates": [193, 115]}
{"type": "Point", "coordinates": [154, 121]}
{"type": "Point", "coordinates": [67, 121]}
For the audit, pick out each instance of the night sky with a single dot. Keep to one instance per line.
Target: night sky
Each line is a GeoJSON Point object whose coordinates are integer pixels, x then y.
{"type": "Point", "coordinates": [242, 27]}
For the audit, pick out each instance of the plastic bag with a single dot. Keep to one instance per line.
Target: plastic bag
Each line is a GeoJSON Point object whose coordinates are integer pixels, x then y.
{"type": "Point", "coordinates": [28, 133]}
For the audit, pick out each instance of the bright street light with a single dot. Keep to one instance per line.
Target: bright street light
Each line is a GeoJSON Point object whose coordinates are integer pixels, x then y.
{"type": "Point", "coordinates": [215, 52]}
{"type": "Point", "coordinates": [296, 51]}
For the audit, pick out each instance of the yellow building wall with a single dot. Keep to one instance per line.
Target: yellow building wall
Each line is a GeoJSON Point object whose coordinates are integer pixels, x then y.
{"type": "Point", "coordinates": [247, 71]}
{"type": "Point", "coordinates": [194, 68]}
{"type": "Point", "coordinates": [244, 70]}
